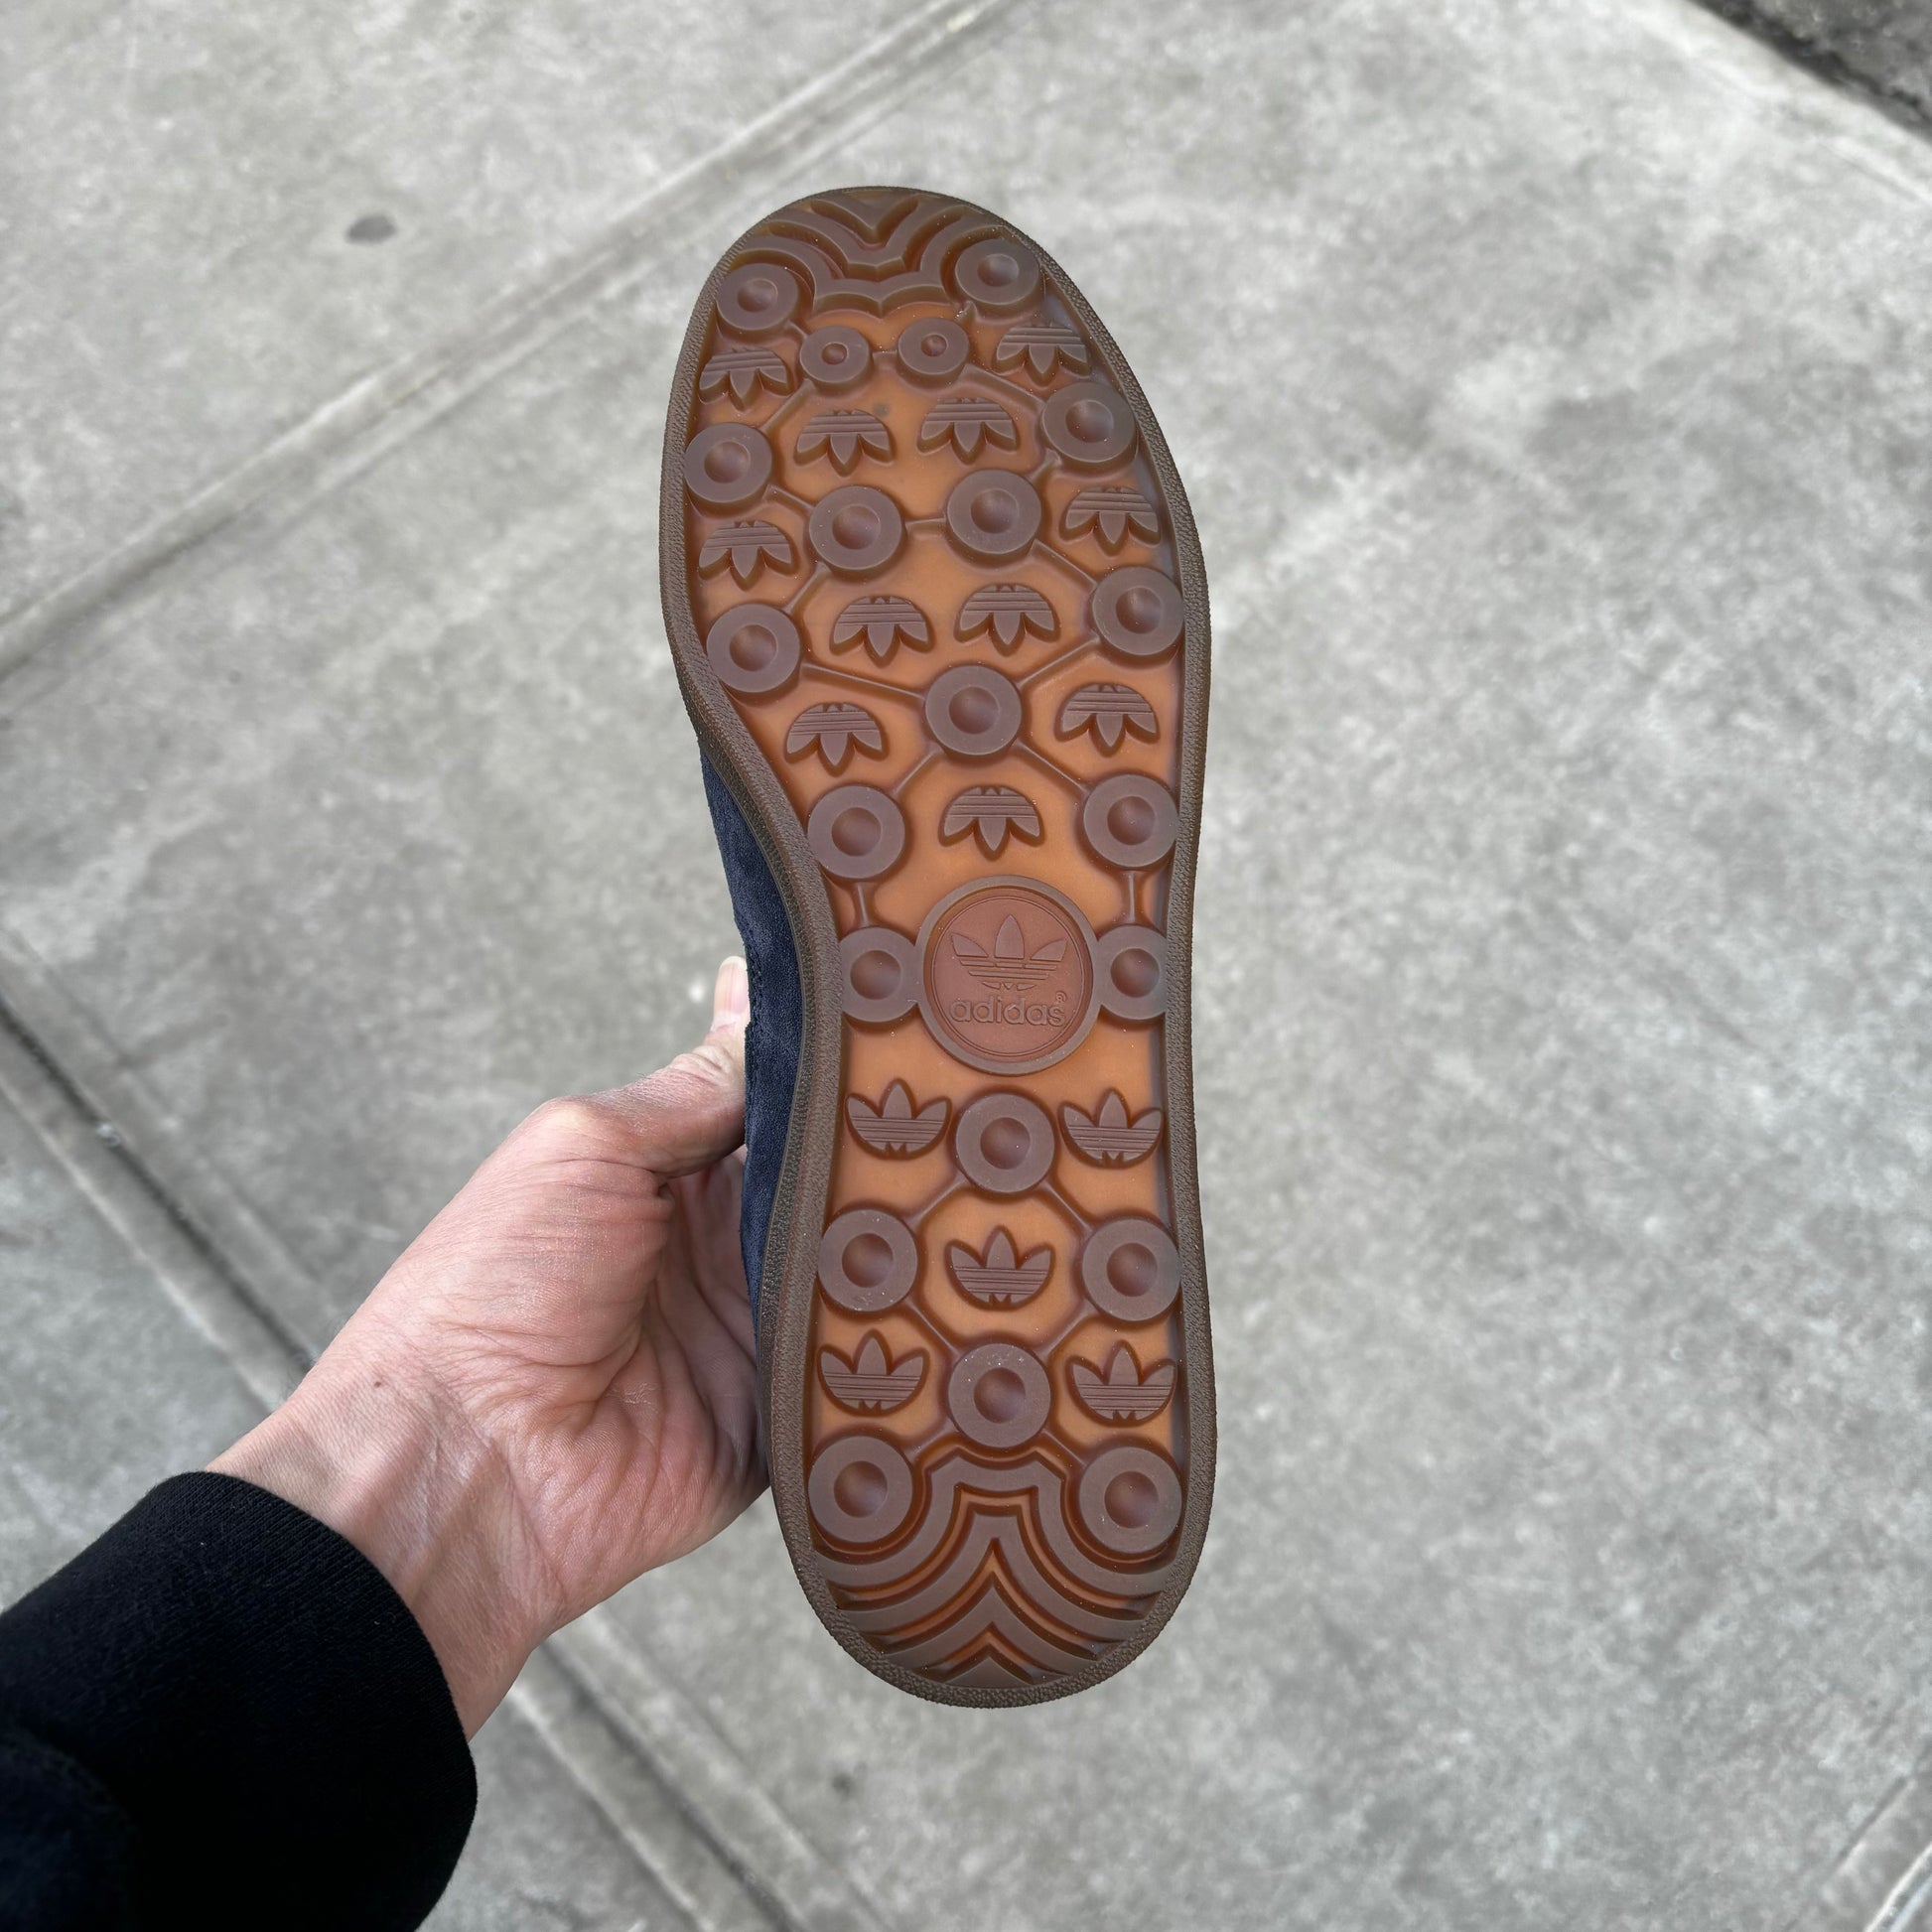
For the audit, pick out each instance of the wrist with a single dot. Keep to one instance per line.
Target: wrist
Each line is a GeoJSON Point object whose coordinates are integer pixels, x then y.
{"type": "Point", "coordinates": [393, 1468]}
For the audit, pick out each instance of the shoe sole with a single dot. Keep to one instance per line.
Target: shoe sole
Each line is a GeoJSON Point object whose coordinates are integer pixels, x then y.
{"type": "Point", "coordinates": [940, 617]}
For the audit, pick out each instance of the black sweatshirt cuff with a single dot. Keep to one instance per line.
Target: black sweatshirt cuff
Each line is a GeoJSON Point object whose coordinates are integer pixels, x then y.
{"type": "Point", "coordinates": [254, 1709]}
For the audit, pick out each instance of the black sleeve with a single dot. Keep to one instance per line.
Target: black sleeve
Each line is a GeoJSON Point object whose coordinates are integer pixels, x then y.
{"type": "Point", "coordinates": [222, 1714]}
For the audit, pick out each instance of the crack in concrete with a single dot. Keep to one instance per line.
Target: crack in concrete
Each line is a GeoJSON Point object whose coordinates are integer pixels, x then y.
{"type": "Point", "coordinates": [1879, 1883]}
{"type": "Point", "coordinates": [148, 1216]}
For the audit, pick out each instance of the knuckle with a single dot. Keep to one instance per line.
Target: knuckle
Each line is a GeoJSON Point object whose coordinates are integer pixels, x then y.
{"type": "Point", "coordinates": [691, 1099]}
{"type": "Point", "coordinates": [693, 1087]}
{"type": "Point", "coordinates": [568, 1126]}
{"type": "Point", "coordinates": [705, 1070]}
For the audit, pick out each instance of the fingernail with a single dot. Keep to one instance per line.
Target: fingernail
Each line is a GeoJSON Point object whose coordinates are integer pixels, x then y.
{"type": "Point", "coordinates": [731, 1001]}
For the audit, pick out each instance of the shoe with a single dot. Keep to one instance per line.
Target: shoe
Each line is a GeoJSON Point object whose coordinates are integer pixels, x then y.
{"type": "Point", "coordinates": [939, 618]}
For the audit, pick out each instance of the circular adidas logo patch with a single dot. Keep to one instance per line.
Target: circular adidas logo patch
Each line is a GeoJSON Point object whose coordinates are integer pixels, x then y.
{"type": "Point", "coordinates": [1006, 979]}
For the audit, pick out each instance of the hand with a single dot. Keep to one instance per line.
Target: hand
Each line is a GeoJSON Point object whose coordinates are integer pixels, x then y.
{"type": "Point", "coordinates": [555, 1388]}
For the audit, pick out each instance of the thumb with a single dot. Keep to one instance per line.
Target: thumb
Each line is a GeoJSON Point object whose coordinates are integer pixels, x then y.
{"type": "Point", "coordinates": [691, 1113]}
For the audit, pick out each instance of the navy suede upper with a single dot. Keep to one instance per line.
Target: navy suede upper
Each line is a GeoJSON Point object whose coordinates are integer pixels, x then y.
{"type": "Point", "coordinates": [772, 1041]}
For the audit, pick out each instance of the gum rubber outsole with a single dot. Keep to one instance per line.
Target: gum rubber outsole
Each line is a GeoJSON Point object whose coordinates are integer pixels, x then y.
{"type": "Point", "coordinates": [940, 617]}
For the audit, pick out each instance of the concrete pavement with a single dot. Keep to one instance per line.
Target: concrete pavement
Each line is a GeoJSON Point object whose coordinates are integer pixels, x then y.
{"type": "Point", "coordinates": [1551, 385]}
